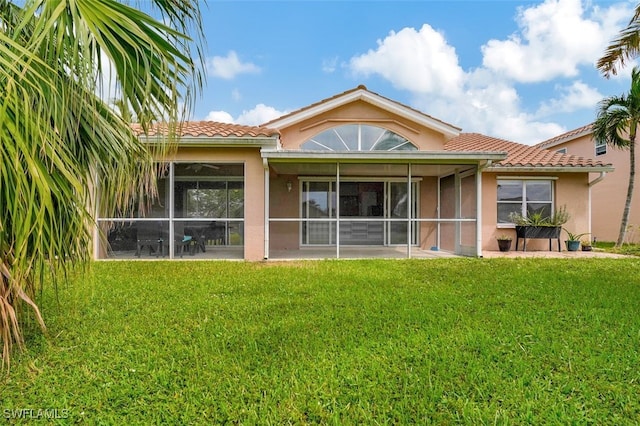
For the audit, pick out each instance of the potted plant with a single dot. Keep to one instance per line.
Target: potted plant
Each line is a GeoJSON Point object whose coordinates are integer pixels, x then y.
{"type": "Point", "coordinates": [586, 244]}
{"type": "Point", "coordinates": [536, 225]}
{"type": "Point", "coordinates": [504, 242]}
{"type": "Point", "coordinates": [573, 240]}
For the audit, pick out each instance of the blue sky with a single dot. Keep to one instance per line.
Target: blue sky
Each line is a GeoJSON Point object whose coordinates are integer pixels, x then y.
{"type": "Point", "coordinates": [518, 70]}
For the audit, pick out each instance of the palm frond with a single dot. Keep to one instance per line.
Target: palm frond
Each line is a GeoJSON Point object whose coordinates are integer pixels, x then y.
{"type": "Point", "coordinates": [623, 48]}
{"type": "Point", "coordinates": [58, 137]}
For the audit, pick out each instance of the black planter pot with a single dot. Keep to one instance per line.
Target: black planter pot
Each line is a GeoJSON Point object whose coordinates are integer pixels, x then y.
{"type": "Point", "coordinates": [504, 245]}
{"type": "Point", "coordinates": [538, 231]}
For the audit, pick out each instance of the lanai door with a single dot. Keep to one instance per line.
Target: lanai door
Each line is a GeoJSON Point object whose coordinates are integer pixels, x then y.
{"type": "Point", "coordinates": [372, 213]}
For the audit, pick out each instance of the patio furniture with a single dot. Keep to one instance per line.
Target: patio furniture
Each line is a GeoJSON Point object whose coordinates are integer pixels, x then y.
{"type": "Point", "coordinates": [149, 234]}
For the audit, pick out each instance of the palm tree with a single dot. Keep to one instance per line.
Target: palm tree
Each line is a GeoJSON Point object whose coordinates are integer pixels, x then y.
{"type": "Point", "coordinates": [58, 135]}
{"type": "Point", "coordinates": [625, 47]}
{"type": "Point", "coordinates": [619, 116]}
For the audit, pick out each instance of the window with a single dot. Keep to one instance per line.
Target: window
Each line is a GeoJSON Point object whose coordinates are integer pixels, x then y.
{"type": "Point", "coordinates": [562, 151]}
{"type": "Point", "coordinates": [358, 137]}
{"type": "Point", "coordinates": [601, 148]}
{"type": "Point", "coordinates": [524, 197]}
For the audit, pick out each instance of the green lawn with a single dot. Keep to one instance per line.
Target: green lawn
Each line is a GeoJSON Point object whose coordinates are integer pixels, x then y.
{"type": "Point", "coordinates": [341, 342]}
{"type": "Point", "coordinates": [627, 249]}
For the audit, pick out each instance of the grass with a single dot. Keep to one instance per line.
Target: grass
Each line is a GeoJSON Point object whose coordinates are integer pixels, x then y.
{"type": "Point", "coordinates": [629, 249]}
{"type": "Point", "coordinates": [339, 342]}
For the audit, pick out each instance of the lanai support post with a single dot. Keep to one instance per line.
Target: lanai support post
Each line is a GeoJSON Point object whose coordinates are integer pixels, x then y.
{"type": "Point", "coordinates": [409, 211]}
{"type": "Point", "coordinates": [265, 164]}
{"type": "Point", "coordinates": [479, 211]}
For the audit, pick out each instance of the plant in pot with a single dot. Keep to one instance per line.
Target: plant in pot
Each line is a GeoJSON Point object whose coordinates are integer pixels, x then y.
{"type": "Point", "coordinates": [537, 225]}
{"type": "Point", "coordinates": [585, 243]}
{"type": "Point", "coordinates": [504, 242]}
{"type": "Point", "coordinates": [573, 240]}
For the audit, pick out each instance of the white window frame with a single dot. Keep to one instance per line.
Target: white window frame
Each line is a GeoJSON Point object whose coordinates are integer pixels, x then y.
{"type": "Point", "coordinates": [524, 201]}
{"type": "Point", "coordinates": [601, 148]}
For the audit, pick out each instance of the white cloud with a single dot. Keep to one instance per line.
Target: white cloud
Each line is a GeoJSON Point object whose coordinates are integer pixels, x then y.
{"type": "Point", "coordinates": [329, 65]}
{"type": "Point", "coordinates": [260, 114]}
{"type": "Point", "coordinates": [418, 61]}
{"type": "Point", "coordinates": [235, 95]}
{"type": "Point", "coordinates": [230, 66]}
{"type": "Point", "coordinates": [493, 109]}
{"type": "Point", "coordinates": [554, 39]}
{"type": "Point", "coordinates": [576, 96]}
{"type": "Point", "coordinates": [220, 116]}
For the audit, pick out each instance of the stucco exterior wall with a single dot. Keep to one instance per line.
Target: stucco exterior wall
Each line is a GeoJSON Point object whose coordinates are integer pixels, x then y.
{"type": "Point", "coordinates": [284, 204]}
{"type": "Point", "coordinates": [609, 195]}
{"type": "Point", "coordinates": [571, 190]}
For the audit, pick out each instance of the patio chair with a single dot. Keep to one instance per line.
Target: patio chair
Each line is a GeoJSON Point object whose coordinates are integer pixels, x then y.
{"type": "Point", "coordinates": [148, 235]}
{"type": "Point", "coordinates": [216, 233]}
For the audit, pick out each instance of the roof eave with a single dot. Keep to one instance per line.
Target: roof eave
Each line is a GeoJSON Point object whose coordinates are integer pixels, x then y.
{"type": "Point", "coordinates": [361, 94]}
{"type": "Point", "coordinates": [384, 156]}
{"type": "Point", "coordinates": [550, 169]}
{"type": "Point", "coordinates": [225, 141]}
{"type": "Point", "coordinates": [548, 145]}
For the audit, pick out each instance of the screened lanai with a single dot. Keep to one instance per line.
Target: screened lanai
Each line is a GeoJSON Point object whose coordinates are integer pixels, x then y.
{"type": "Point", "coordinates": [363, 191]}
{"type": "Point", "coordinates": [198, 213]}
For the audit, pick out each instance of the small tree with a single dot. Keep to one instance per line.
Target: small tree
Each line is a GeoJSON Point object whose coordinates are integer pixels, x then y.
{"type": "Point", "coordinates": [618, 116]}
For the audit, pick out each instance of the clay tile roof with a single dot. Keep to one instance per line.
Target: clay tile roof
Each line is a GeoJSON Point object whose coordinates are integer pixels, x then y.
{"type": "Point", "coordinates": [565, 136]}
{"type": "Point", "coordinates": [212, 129]}
{"type": "Point", "coordinates": [518, 155]}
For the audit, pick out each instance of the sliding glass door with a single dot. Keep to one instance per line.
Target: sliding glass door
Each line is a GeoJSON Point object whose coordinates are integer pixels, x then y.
{"type": "Point", "coordinates": [372, 213]}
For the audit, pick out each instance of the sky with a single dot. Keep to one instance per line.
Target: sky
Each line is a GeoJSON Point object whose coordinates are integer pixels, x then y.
{"type": "Point", "coordinates": [518, 70]}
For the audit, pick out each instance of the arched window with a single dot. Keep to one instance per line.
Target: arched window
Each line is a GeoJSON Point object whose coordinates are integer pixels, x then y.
{"type": "Point", "coordinates": [358, 137]}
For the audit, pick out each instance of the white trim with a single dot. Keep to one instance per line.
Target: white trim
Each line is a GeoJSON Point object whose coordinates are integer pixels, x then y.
{"type": "Point", "coordinates": [479, 212]}
{"type": "Point", "coordinates": [265, 165]}
{"type": "Point", "coordinates": [172, 207]}
{"type": "Point", "coordinates": [337, 210]}
{"type": "Point", "coordinates": [432, 157]}
{"type": "Point", "coordinates": [551, 169]}
{"type": "Point", "coordinates": [527, 177]}
{"type": "Point", "coordinates": [217, 141]}
{"type": "Point", "coordinates": [566, 138]}
{"type": "Point", "coordinates": [364, 95]}
{"type": "Point", "coordinates": [409, 211]}
{"type": "Point", "coordinates": [359, 179]}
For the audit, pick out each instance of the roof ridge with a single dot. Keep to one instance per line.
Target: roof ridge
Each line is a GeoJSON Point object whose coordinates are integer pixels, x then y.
{"type": "Point", "coordinates": [566, 136]}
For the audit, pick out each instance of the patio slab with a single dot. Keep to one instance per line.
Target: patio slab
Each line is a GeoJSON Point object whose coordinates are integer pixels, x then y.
{"type": "Point", "coordinates": [551, 254]}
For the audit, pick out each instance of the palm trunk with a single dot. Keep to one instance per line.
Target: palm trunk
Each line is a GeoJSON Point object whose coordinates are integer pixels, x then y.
{"type": "Point", "coordinates": [632, 179]}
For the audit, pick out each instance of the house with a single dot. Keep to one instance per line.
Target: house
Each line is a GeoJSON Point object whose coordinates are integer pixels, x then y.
{"type": "Point", "coordinates": [608, 196]}
{"type": "Point", "coordinates": [354, 175]}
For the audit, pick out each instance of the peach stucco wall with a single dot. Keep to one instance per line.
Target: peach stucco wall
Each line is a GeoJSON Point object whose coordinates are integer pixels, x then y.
{"type": "Point", "coordinates": [253, 189]}
{"type": "Point", "coordinates": [571, 191]}
{"type": "Point", "coordinates": [609, 195]}
{"type": "Point", "coordinates": [364, 113]}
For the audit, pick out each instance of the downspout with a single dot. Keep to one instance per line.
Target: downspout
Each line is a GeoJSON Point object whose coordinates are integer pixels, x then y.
{"type": "Point", "coordinates": [598, 179]}
{"type": "Point", "coordinates": [592, 183]}
{"type": "Point", "coordinates": [265, 164]}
